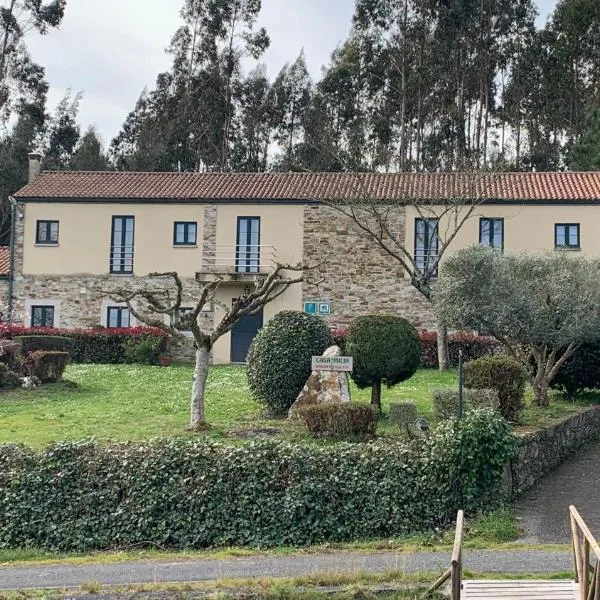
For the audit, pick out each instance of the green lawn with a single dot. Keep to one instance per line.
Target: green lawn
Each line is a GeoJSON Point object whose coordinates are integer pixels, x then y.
{"type": "Point", "coordinates": [132, 402]}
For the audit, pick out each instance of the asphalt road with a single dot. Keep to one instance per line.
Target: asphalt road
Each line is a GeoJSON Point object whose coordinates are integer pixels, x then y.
{"type": "Point", "coordinates": [148, 571]}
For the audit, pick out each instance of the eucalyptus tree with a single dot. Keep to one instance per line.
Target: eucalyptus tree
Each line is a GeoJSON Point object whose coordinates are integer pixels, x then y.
{"type": "Point", "coordinates": [540, 307]}
{"type": "Point", "coordinates": [89, 154]}
{"type": "Point", "coordinates": [20, 77]}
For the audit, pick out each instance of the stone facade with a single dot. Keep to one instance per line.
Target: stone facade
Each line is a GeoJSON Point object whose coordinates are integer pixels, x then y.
{"type": "Point", "coordinates": [354, 274]}
{"type": "Point", "coordinates": [542, 451]}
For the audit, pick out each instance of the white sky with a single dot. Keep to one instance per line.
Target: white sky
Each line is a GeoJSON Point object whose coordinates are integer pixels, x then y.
{"type": "Point", "coordinates": [112, 49]}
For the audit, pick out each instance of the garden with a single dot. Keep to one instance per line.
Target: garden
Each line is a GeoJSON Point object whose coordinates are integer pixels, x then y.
{"type": "Point", "coordinates": [101, 453]}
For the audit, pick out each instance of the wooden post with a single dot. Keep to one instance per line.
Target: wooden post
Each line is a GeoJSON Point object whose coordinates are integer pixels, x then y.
{"type": "Point", "coordinates": [456, 578]}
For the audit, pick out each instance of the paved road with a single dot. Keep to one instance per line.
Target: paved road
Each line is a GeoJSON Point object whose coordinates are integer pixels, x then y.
{"type": "Point", "coordinates": [544, 512]}
{"type": "Point", "coordinates": [62, 576]}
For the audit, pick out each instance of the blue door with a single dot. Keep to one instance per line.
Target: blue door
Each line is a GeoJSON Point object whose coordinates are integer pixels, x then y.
{"type": "Point", "coordinates": [242, 335]}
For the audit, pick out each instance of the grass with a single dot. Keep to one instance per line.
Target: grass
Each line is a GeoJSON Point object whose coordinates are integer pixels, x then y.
{"type": "Point", "coordinates": [134, 402]}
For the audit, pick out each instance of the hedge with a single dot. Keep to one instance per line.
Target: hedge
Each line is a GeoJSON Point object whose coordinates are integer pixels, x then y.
{"type": "Point", "coordinates": [91, 345]}
{"type": "Point", "coordinates": [473, 346]}
{"type": "Point", "coordinates": [179, 493]}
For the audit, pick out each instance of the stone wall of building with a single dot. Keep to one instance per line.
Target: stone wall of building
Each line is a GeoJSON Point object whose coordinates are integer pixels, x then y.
{"type": "Point", "coordinates": [542, 451]}
{"type": "Point", "coordinates": [354, 273]}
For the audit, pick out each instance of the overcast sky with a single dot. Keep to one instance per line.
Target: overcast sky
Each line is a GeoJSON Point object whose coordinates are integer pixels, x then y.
{"type": "Point", "coordinates": [112, 49]}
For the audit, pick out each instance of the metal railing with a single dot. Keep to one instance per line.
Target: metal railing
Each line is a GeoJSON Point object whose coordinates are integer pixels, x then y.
{"type": "Point", "coordinates": [586, 556]}
{"type": "Point", "coordinates": [240, 258]}
{"type": "Point", "coordinates": [121, 259]}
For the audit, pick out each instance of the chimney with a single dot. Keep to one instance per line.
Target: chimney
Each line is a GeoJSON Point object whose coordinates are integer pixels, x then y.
{"type": "Point", "coordinates": [35, 165]}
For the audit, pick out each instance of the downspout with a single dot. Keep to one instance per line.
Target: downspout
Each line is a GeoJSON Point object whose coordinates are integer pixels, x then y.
{"type": "Point", "coordinates": [11, 268]}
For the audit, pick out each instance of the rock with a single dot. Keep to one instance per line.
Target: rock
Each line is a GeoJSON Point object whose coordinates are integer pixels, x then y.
{"type": "Point", "coordinates": [323, 387]}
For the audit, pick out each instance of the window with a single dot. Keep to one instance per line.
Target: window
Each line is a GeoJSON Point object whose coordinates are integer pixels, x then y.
{"type": "Point", "coordinates": [121, 246]}
{"type": "Point", "coordinates": [247, 252]}
{"type": "Point", "coordinates": [117, 316]}
{"type": "Point", "coordinates": [566, 235]}
{"type": "Point", "coordinates": [491, 232]}
{"type": "Point", "coordinates": [185, 234]}
{"type": "Point", "coordinates": [426, 243]}
{"type": "Point", "coordinates": [47, 233]}
{"type": "Point", "coordinates": [42, 316]}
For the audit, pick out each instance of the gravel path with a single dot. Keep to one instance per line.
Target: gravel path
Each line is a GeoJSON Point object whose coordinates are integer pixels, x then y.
{"type": "Point", "coordinates": [62, 576]}
{"type": "Point", "coordinates": [544, 512]}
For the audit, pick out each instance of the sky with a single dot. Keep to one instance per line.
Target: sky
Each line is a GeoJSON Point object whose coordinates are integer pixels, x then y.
{"type": "Point", "coordinates": [112, 49]}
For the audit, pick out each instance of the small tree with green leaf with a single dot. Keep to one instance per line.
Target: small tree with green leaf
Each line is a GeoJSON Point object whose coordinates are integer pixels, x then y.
{"type": "Point", "coordinates": [540, 307]}
{"type": "Point", "coordinates": [386, 349]}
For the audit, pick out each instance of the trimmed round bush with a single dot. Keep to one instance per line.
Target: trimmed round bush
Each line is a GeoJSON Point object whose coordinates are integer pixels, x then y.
{"type": "Point", "coordinates": [385, 348]}
{"type": "Point", "coordinates": [340, 420]}
{"type": "Point", "coordinates": [500, 373]}
{"type": "Point", "coordinates": [279, 359]}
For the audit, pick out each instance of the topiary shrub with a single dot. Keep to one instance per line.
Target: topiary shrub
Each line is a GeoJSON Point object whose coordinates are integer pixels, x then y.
{"type": "Point", "coordinates": [403, 413]}
{"type": "Point", "coordinates": [8, 379]}
{"type": "Point", "coordinates": [580, 372]}
{"type": "Point", "coordinates": [386, 349]}
{"type": "Point", "coordinates": [48, 367]}
{"type": "Point", "coordinates": [279, 359]}
{"type": "Point", "coordinates": [33, 343]}
{"type": "Point", "coordinates": [340, 420]}
{"type": "Point", "coordinates": [445, 401]}
{"type": "Point", "coordinates": [503, 374]}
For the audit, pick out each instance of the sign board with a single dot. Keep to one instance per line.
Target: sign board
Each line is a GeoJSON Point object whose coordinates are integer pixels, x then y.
{"type": "Point", "coordinates": [317, 307]}
{"type": "Point", "coordinates": [332, 363]}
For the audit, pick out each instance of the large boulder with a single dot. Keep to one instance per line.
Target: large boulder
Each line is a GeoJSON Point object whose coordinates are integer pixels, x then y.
{"type": "Point", "coordinates": [323, 387]}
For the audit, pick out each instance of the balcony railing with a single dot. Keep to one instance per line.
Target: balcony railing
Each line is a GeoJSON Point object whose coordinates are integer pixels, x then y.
{"type": "Point", "coordinates": [239, 261]}
{"type": "Point", "coordinates": [121, 259]}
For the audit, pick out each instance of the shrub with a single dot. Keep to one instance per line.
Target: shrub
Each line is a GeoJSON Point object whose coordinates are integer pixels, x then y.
{"type": "Point", "coordinates": [472, 346]}
{"type": "Point", "coordinates": [47, 366]}
{"type": "Point", "coordinates": [8, 379]}
{"type": "Point", "coordinates": [279, 359]}
{"type": "Point", "coordinates": [100, 345]}
{"type": "Point", "coordinates": [340, 420]}
{"type": "Point", "coordinates": [385, 348]}
{"type": "Point", "coordinates": [143, 350]}
{"type": "Point", "coordinates": [445, 401]}
{"type": "Point", "coordinates": [503, 374]}
{"type": "Point", "coordinates": [579, 372]}
{"type": "Point", "coordinates": [340, 338]}
{"type": "Point", "coordinates": [403, 413]}
{"type": "Point", "coordinates": [33, 343]}
{"type": "Point", "coordinates": [87, 496]}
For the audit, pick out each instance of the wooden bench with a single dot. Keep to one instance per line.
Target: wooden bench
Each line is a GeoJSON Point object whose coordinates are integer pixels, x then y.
{"type": "Point", "coordinates": [586, 557]}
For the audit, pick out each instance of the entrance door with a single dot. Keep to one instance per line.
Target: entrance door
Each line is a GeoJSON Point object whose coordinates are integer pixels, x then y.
{"type": "Point", "coordinates": [242, 335]}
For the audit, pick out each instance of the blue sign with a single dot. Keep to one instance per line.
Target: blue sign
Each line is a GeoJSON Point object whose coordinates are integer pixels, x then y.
{"type": "Point", "coordinates": [310, 308]}
{"type": "Point", "coordinates": [318, 308]}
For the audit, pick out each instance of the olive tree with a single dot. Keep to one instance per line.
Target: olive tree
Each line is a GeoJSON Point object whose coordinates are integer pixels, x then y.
{"type": "Point", "coordinates": [160, 305]}
{"type": "Point", "coordinates": [385, 349]}
{"type": "Point", "coordinates": [540, 307]}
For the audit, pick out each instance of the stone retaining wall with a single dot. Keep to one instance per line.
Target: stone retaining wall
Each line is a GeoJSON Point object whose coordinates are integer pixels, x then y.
{"type": "Point", "coordinates": [542, 451]}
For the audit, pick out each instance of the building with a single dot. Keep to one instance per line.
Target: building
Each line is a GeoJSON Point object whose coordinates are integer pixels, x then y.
{"type": "Point", "coordinates": [79, 234]}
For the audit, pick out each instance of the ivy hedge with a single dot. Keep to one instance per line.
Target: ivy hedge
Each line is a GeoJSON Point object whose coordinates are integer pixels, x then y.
{"type": "Point", "coordinates": [100, 345]}
{"type": "Point", "coordinates": [196, 493]}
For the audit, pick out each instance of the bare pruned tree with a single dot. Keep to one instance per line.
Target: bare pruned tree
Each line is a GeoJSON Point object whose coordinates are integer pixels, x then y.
{"type": "Point", "coordinates": [441, 214]}
{"type": "Point", "coordinates": [158, 303]}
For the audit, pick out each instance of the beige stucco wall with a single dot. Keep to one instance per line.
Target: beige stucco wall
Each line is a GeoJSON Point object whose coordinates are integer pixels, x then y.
{"type": "Point", "coordinates": [85, 237]}
{"type": "Point", "coordinates": [526, 228]}
{"type": "Point", "coordinates": [281, 226]}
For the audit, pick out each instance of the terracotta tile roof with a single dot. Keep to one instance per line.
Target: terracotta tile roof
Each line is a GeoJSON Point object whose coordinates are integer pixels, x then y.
{"type": "Point", "coordinates": [311, 186]}
{"type": "Point", "coordinates": [4, 260]}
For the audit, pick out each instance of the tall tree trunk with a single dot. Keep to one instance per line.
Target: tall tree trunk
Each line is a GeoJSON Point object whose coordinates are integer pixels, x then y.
{"type": "Point", "coordinates": [442, 347]}
{"type": "Point", "coordinates": [4, 52]}
{"type": "Point", "coordinates": [376, 395]}
{"type": "Point", "coordinates": [197, 418]}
